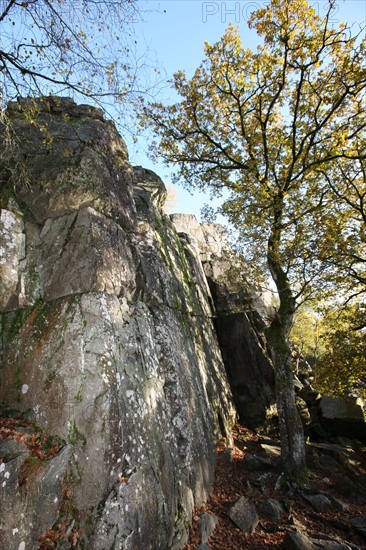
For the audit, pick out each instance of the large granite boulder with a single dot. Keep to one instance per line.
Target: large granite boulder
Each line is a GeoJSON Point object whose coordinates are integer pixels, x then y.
{"type": "Point", "coordinates": [344, 416]}
{"type": "Point", "coordinates": [107, 340]}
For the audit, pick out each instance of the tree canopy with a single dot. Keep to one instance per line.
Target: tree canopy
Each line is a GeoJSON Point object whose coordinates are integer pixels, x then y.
{"type": "Point", "coordinates": [85, 49]}
{"type": "Point", "coordinates": [268, 126]}
{"type": "Point", "coordinates": [341, 368]}
{"type": "Point", "coordinates": [341, 238]}
{"type": "Point", "coordinates": [331, 339]}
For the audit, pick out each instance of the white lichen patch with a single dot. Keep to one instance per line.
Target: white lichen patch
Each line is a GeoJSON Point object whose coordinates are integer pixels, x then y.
{"type": "Point", "coordinates": [12, 254]}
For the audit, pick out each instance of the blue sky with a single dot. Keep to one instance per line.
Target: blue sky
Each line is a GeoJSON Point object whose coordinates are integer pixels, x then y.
{"type": "Point", "coordinates": [175, 32]}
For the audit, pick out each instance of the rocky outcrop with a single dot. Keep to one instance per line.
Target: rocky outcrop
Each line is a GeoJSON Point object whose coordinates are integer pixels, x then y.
{"type": "Point", "coordinates": [344, 416]}
{"type": "Point", "coordinates": [122, 331]}
{"type": "Point", "coordinates": [107, 342]}
{"type": "Point", "coordinates": [324, 417]}
{"type": "Point", "coordinates": [238, 322]}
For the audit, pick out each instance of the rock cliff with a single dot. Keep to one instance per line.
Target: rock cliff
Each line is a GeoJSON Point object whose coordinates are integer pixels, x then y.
{"type": "Point", "coordinates": [107, 343]}
{"type": "Point", "coordinates": [237, 321]}
{"type": "Point", "coordinates": [112, 375]}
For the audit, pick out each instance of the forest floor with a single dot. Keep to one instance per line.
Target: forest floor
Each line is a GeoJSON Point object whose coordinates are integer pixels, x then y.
{"type": "Point", "coordinates": [333, 471]}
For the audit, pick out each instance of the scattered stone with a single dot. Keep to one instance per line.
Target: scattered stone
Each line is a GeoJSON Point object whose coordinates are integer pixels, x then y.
{"type": "Point", "coordinates": [320, 503]}
{"type": "Point", "coordinates": [273, 510]}
{"type": "Point", "coordinates": [331, 544]}
{"type": "Point", "coordinates": [272, 451]}
{"type": "Point", "coordinates": [294, 540]}
{"type": "Point", "coordinates": [328, 462]}
{"type": "Point", "coordinates": [359, 524]}
{"type": "Point", "coordinates": [244, 515]}
{"type": "Point", "coordinates": [228, 454]}
{"type": "Point", "coordinates": [208, 524]}
{"type": "Point", "coordinates": [254, 462]}
{"type": "Point", "coordinates": [348, 488]}
{"type": "Point", "coordinates": [350, 443]}
{"type": "Point", "coordinates": [295, 524]}
{"type": "Point", "coordinates": [308, 394]}
{"type": "Point", "coordinates": [338, 504]}
{"type": "Point", "coordinates": [298, 385]}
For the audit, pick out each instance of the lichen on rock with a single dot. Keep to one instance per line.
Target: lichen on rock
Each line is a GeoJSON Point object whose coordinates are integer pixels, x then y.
{"type": "Point", "coordinates": [107, 337]}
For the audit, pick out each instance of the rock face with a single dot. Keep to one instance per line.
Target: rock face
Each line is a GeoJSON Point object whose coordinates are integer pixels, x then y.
{"type": "Point", "coordinates": [107, 341]}
{"type": "Point", "coordinates": [238, 323]}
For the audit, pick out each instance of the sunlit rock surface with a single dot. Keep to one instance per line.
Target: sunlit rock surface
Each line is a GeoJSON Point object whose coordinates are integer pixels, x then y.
{"type": "Point", "coordinates": [107, 340]}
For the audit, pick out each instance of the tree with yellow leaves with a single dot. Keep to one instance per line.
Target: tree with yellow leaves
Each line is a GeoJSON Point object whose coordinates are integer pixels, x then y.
{"type": "Point", "coordinates": [263, 124]}
{"type": "Point", "coordinates": [341, 239]}
{"type": "Point", "coordinates": [341, 367]}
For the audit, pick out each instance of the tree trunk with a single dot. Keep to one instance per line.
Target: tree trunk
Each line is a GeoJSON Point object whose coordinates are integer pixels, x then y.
{"type": "Point", "coordinates": [291, 429]}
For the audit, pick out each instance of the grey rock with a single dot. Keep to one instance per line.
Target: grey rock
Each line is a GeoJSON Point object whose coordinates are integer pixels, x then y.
{"type": "Point", "coordinates": [74, 159]}
{"type": "Point", "coordinates": [84, 252]}
{"type": "Point", "coordinates": [244, 515]}
{"type": "Point", "coordinates": [329, 544]}
{"type": "Point", "coordinates": [309, 395]}
{"type": "Point", "coordinates": [208, 524]}
{"type": "Point", "coordinates": [23, 520]}
{"type": "Point", "coordinates": [273, 510]}
{"type": "Point", "coordinates": [349, 488]}
{"type": "Point", "coordinates": [247, 363]}
{"type": "Point", "coordinates": [210, 239]}
{"type": "Point", "coordinates": [148, 189]}
{"type": "Point", "coordinates": [237, 320]}
{"type": "Point", "coordinates": [12, 253]}
{"type": "Point", "coordinates": [297, 384]}
{"type": "Point", "coordinates": [343, 416]}
{"type": "Point", "coordinates": [359, 524]}
{"type": "Point", "coordinates": [10, 449]}
{"type": "Point", "coordinates": [273, 452]}
{"type": "Point", "coordinates": [254, 462]}
{"type": "Point", "coordinates": [107, 337]}
{"type": "Point", "coordinates": [320, 503]}
{"type": "Point", "coordinates": [295, 540]}
{"type": "Point", "coordinates": [119, 377]}
{"type": "Point", "coordinates": [338, 504]}
{"type": "Point", "coordinates": [13, 530]}
{"type": "Point", "coordinates": [18, 267]}
{"type": "Point", "coordinates": [45, 509]}
{"type": "Point", "coordinates": [347, 408]}
{"type": "Point", "coordinates": [304, 413]}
